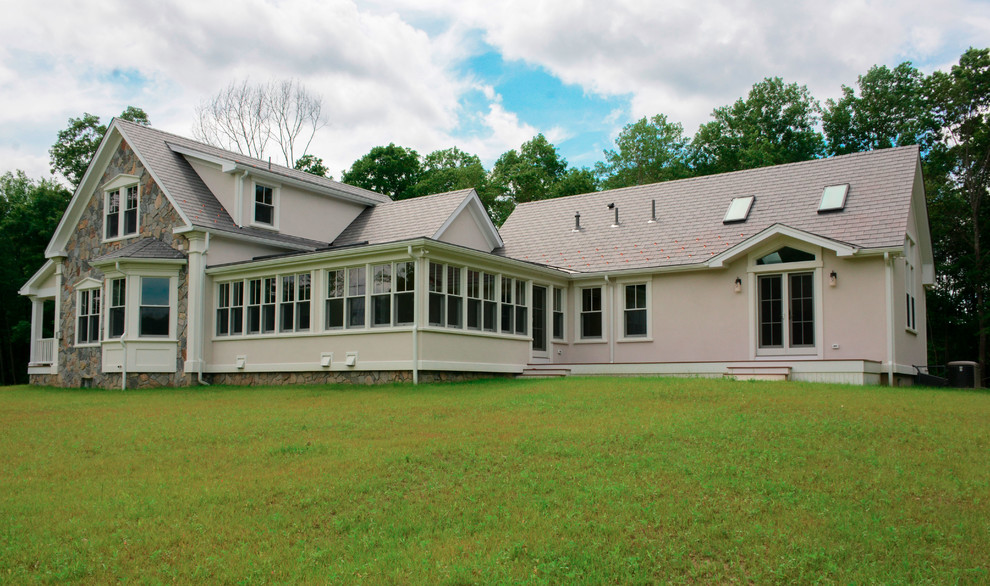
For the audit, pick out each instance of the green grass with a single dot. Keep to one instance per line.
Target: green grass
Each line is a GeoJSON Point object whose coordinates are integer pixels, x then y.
{"type": "Point", "coordinates": [548, 481]}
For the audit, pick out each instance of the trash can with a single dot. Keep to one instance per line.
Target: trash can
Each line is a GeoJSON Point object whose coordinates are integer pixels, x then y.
{"type": "Point", "coordinates": [962, 374]}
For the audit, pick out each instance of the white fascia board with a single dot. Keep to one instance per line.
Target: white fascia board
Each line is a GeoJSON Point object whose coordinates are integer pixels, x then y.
{"type": "Point", "coordinates": [138, 262]}
{"type": "Point", "coordinates": [39, 276]}
{"type": "Point", "coordinates": [473, 204]}
{"type": "Point", "coordinates": [242, 237]}
{"type": "Point", "coordinates": [840, 248]}
{"type": "Point", "coordinates": [56, 246]}
{"type": "Point", "coordinates": [226, 165]}
{"type": "Point", "coordinates": [154, 175]}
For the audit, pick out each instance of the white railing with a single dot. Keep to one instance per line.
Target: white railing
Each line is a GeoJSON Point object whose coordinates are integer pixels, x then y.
{"type": "Point", "coordinates": [44, 351]}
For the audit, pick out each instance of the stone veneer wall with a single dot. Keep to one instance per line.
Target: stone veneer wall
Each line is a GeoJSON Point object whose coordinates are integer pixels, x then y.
{"type": "Point", "coordinates": [256, 379]}
{"type": "Point", "coordinates": [157, 218]}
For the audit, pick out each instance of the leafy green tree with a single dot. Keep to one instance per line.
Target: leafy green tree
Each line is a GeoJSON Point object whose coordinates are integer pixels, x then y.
{"type": "Point", "coordinates": [575, 181]}
{"type": "Point", "coordinates": [77, 143]}
{"type": "Point", "coordinates": [528, 174]}
{"type": "Point", "coordinates": [29, 213]}
{"type": "Point", "coordinates": [649, 150]}
{"type": "Point", "coordinates": [775, 124]}
{"type": "Point", "coordinates": [449, 170]}
{"type": "Point", "coordinates": [890, 110]}
{"type": "Point", "coordinates": [391, 170]}
{"type": "Point", "coordinates": [313, 165]}
{"type": "Point", "coordinates": [958, 181]}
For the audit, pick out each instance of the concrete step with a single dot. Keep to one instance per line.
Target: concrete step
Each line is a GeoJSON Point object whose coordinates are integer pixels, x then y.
{"type": "Point", "coordinates": [757, 372]}
{"type": "Point", "coordinates": [544, 371]}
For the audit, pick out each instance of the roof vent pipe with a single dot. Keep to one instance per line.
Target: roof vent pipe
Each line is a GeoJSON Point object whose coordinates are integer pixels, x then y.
{"type": "Point", "coordinates": [653, 214]}
{"type": "Point", "coordinates": [612, 206]}
{"type": "Point", "coordinates": [577, 222]}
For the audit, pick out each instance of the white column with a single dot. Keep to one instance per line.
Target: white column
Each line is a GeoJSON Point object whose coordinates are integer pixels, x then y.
{"type": "Point", "coordinates": [195, 310]}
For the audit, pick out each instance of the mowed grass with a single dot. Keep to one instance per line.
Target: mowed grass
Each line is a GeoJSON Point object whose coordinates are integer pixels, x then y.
{"type": "Point", "coordinates": [583, 480]}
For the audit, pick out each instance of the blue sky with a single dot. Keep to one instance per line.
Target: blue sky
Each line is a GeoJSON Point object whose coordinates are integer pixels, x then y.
{"type": "Point", "coordinates": [430, 74]}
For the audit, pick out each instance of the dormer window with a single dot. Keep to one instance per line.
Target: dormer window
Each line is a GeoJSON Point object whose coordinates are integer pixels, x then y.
{"type": "Point", "coordinates": [833, 198]}
{"type": "Point", "coordinates": [265, 202]}
{"type": "Point", "coordinates": [120, 207]}
{"type": "Point", "coordinates": [738, 209]}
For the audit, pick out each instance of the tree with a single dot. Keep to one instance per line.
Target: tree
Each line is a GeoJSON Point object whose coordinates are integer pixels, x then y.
{"type": "Point", "coordinates": [959, 185]}
{"type": "Point", "coordinates": [76, 144]}
{"type": "Point", "coordinates": [890, 110]}
{"type": "Point", "coordinates": [574, 182]}
{"type": "Point", "coordinates": [246, 118]}
{"type": "Point", "coordinates": [775, 124]}
{"type": "Point", "coordinates": [452, 169]}
{"type": "Point", "coordinates": [649, 150]}
{"type": "Point", "coordinates": [313, 165]}
{"type": "Point", "coordinates": [29, 213]}
{"type": "Point", "coordinates": [391, 170]}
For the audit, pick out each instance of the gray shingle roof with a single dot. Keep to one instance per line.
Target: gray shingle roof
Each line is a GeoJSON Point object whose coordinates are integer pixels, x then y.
{"type": "Point", "coordinates": [195, 199]}
{"type": "Point", "coordinates": [145, 248]}
{"type": "Point", "coordinates": [689, 229]}
{"type": "Point", "coordinates": [403, 219]}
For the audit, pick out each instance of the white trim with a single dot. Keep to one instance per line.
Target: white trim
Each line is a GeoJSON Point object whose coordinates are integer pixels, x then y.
{"type": "Point", "coordinates": [621, 310]}
{"type": "Point", "coordinates": [257, 239]}
{"type": "Point", "coordinates": [252, 204]}
{"type": "Point", "coordinates": [40, 276]}
{"type": "Point", "coordinates": [730, 254]}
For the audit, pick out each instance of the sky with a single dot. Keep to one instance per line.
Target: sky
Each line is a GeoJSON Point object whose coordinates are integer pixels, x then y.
{"type": "Point", "coordinates": [431, 74]}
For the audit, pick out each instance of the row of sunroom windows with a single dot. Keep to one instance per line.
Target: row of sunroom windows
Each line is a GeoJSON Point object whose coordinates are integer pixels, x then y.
{"type": "Point", "coordinates": [381, 295]}
{"type": "Point", "coordinates": [153, 310]}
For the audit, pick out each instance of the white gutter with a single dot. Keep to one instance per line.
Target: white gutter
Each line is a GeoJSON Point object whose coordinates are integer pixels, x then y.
{"type": "Point", "coordinates": [610, 299]}
{"type": "Point", "coordinates": [888, 266]}
{"type": "Point", "coordinates": [123, 343]}
{"type": "Point", "coordinates": [417, 290]}
{"type": "Point", "coordinates": [201, 350]}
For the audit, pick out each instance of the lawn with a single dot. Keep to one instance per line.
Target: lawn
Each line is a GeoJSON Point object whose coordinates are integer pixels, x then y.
{"type": "Point", "coordinates": [587, 480]}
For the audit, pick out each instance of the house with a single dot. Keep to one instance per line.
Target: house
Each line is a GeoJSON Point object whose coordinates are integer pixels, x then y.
{"type": "Point", "coordinates": [178, 263]}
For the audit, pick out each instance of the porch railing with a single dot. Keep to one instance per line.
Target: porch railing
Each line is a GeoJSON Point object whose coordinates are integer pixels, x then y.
{"type": "Point", "coordinates": [44, 351]}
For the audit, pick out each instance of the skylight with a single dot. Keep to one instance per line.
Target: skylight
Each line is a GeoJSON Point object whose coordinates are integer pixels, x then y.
{"type": "Point", "coordinates": [833, 198]}
{"type": "Point", "coordinates": [738, 209]}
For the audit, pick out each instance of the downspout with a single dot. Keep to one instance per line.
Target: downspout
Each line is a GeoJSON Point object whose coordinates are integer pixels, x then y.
{"type": "Point", "coordinates": [611, 321]}
{"type": "Point", "coordinates": [416, 308]}
{"type": "Point", "coordinates": [123, 343]}
{"type": "Point", "coordinates": [889, 285]}
{"type": "Point", "coordinates": [202, 308]}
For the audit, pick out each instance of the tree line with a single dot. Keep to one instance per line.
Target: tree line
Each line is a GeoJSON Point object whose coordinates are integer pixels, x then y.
{"type": "Point", "coordinates": [946, 113]}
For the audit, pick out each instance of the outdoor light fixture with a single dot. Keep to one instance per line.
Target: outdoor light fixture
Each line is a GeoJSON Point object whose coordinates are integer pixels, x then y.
{"type": "Point", "coordinates": [832, 279]}
{"type": "Point", "coordinates": [738, 286]}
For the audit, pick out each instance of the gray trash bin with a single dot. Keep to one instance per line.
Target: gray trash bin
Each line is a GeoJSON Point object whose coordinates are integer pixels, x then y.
{"type": "Point", "coordinates": [962, 374]}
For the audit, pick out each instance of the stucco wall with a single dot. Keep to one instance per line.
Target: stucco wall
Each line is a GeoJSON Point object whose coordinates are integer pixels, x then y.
{"type": "Point", "coordinates": [157, 218]}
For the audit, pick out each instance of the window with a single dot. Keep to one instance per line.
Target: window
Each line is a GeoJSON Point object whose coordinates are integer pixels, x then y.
{"type": "Point", "coordinates": [909, 285]}
{"type": "Point", "coordinates": [264, 205]}
{"type": "Point", "coordinates": [791, 324]}
{"type": "Point", "coordinates": [381, 298]}
{"type": "Point", "coordinates": [117, 222]}
{"type": "Point", "coordinates": [405, 296]}
{"type": "Point", "coordinates": [591, 312]}
{"type": "Point", "coordinates": [88, 328]}
{"type": "Point", "coordinates": [436, 299]}
{"type": "Point", "coordinates": [490, 311]}
{"type": "Point", "coordinates": [294, 309]}
{"type": "Point", "coordinates": [474, 300]}
{"type": "Point", "coordinates": [738, 209]}
{"type": "Point", "coordinates": [261, 305]}
{"type": "Point", "coordinates": [507, 310]}
{"type": "Point", "coordinates": [254, 306]}
{"type": "Point", "coordinates": [118, 302]}
{"type": "Point", "coordinates": [785, 254]}
{"type": "Point", "coordinates": [223, 309]}
{"type": "Point", "coordinates": [455, 302]}
{"type": "Point", "coordinates": [335, 300]}
{"type": "Point", "coordinates": [558, 313]}
{"type": "Point", "coordinates": [356, 287]}
{"type": "Point", "coordinates": [521, 313]}
{"type": "Point", "coordinates": [153, 313]}
{"type": "Point", "coordinates": [833, 198]}
{"type": "Point", "coordinates": [635, 315]}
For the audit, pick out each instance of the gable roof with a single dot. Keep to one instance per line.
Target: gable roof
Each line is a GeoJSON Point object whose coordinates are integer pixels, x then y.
{"type": "Point", "coordinates": [426, 217]}
{"type": "Point", "coordinates": [689, 227]}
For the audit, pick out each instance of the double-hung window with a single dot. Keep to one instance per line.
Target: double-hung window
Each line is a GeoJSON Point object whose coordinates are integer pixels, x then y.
{"type": "Point", "coordinates": [508, 312]}
{"type": "Point", "coordinates": [230, 308]}
{"type": "Point", "coordinates": [490, 311]}
{"type": "Point", "coordinates": [635, 314]}
{"type": "Point", "coordinates": [455, 301]}
{"type": "Point", "coordinates": [522, 315]}
{"type": "Point", "coordinates": [118, 307]}
{"type": "Point", "coordinates": [264, 205]}
{"type": "Point", "coordinates": [558, 313]}
{"type": "Point", "coordinates": [153, 312]}
{"type": "Point", "coordinates": [356, 287]}
{"type": "Point", "coordinates": [405, 296]}
{"type": "Point", "coordinates": [335, 300]}
{"type": "Point", "coordinates": [88, 323]}
{"type": "Point", "coordinates": [261, 305]}
{"type": "Point", "coordinates": [591, 312]}
{"type": "Point", "coordinates": [436, 299]}
{"type": "Point", "coordinates": [381, 295]}
{"type": "Point", "coordinates": [473, 299]}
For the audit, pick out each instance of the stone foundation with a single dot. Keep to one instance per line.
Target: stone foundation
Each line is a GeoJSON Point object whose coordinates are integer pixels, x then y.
{"type": "Point", "coordinates": [258, 379]}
